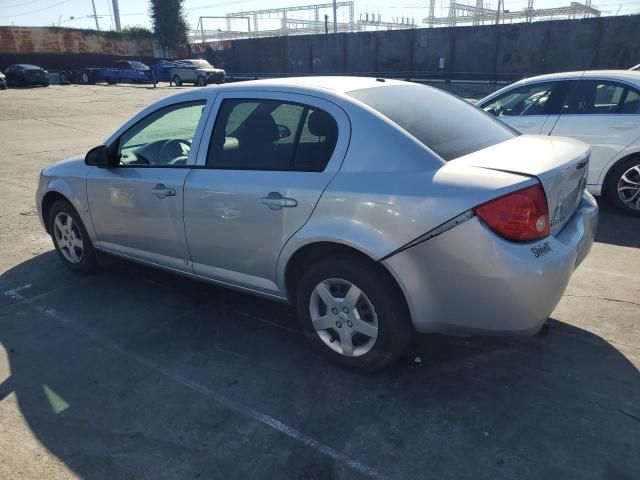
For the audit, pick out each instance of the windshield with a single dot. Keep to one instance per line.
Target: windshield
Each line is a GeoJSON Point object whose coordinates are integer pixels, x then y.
{"type": "Point", "coordinates": [449, 126]}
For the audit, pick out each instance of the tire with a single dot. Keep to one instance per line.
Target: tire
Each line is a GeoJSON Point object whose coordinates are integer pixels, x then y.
{"type": "Point", "coordinates": [177, 81]}
{"type": "Point", "coordinates": [87, 78]}
{"type": "Point", "coordinates": [201, 81]}
{"type": "Point", "coordinates": [625, 175]}
{"type": "Point", "coordinates": [380, 304]}
{"type": "Point", "coordinates": [65, 236]}
{"type": "Point", "coordinates": [111, 82]}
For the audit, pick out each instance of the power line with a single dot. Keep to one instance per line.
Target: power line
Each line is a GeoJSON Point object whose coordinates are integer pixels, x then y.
{"type": "Point", "coordinates": [36, 11]}
{"type": "Point", "coordinates": [22, 4]}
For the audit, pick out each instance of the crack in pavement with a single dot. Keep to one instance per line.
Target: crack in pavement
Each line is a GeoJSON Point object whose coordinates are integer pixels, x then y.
{"type": "Point", "coordinates": [603, 298]}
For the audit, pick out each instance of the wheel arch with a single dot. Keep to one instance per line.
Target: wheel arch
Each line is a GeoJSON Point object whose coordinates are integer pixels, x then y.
{"type": "Point", "coordinates": [51, 197]}
{"type": "Point", "coordinates": [611, 167]}
{"type": "Point", "coordinates": [316, 251]}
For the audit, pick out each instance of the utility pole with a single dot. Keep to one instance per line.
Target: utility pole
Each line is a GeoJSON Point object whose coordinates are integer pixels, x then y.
{"type": "Point", "coordinates": [335, 17]}
{"type": "Point", "coordinates": [95, 15]}
{"type": "Point", "coordinates": [116, 14]}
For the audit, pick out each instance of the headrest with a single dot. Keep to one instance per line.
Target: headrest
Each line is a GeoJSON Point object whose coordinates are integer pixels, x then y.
{"type": "Point", "coordinates": [262, 127]}
{"type": "Point", "coordinates": [321, 124]}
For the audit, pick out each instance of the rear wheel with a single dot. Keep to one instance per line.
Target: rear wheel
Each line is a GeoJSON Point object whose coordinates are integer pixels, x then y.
{"type": "Point", "coordinates": [354, 313]}
{"type": "Point", "coordinates": [177, 81]}
{"type": "Point", "coordinates": [71, 238]}
{"type": "Point", "coordinates": [623, 186]}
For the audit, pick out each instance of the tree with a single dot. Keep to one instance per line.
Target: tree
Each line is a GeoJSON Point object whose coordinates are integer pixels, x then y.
{"type": "Point", "coordinates": [169, 24]}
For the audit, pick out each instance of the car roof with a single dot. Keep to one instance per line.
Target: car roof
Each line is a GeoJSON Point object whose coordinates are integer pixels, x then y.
{"type": "Point", "coordinates": [323, 86]}
{"type": "Point", "coordinates": [26, 66]}
{"type": "Point", "coordinates": [629, 75]}
{"type": "Point", "coordinates": [334, 83]}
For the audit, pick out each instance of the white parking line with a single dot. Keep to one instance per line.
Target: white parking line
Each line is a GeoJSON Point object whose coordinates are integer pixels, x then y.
{"type": "Point", "coordinates": [197, 387]}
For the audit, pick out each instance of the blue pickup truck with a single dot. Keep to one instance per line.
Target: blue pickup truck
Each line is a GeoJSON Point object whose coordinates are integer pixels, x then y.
{"type": "Point", "coordinates": [122, 71]}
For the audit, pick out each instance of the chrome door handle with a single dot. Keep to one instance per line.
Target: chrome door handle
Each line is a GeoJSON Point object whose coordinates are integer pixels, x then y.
{"type": "Point", "coordinates": [161, 191]}
{"type": "Point", "coordinates": [624, 126]}
{"type": "Point", "coordinates": [276, 201]}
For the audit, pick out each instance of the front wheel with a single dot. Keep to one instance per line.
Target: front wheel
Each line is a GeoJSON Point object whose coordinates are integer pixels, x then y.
{"type": "Point", "coordinates": [177, 81]}
{"type": "Point", "coordinates": [71, 239]}
{"type": "Point", "coordinates": [623, 186]}
{"type": "Point", "coordinates": [354, 313]}
{"type": "Point", "coordinates": [201, 82]}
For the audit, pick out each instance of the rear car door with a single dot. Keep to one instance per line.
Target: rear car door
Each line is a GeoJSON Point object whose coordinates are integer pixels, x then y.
{"type": "Point", "coordinates": [260, 175]}
{"type": "Point", "coordinates": [604, 114]}
{"type": "Point", "coordinates": [532, 108]}
{"type": "Point", "coordinates": [137, 206]}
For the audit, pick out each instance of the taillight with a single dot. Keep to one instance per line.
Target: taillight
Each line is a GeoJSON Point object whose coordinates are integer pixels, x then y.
{"type": "Point", "coordinates": [519, 216]}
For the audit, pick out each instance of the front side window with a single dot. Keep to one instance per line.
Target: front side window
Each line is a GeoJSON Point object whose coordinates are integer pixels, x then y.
{"type": "Point", "coordinates": [253, 134]}
{"type": "Point", "coordinates": [449, 126]}
{"type": "Point", "coordinates": [163, 138]}
{"type": "Point", "coordinates": [533, 99]}
{"type": "Point", "coordinates": [593, 97]}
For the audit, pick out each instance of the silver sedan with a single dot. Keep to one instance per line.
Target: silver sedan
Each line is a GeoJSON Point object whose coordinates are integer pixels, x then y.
{"type": "Point", "coordinates": [377, 208]}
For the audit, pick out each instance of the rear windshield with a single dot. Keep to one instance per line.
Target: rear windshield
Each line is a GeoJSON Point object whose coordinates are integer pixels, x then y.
{"type": "Point", "coordinates": [449, 126]}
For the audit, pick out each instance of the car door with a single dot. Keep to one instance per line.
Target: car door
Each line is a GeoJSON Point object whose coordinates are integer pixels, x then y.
{"type": "Point", "coordinates": [532, 108]}
{"type": "Point", "coordinates": [137, 205]}
{"type": "Point", "coordinates": [604, 114]}
{"type": "Point", "coordinates": [188, 72]}
{"type": "Point", "coordinates": [266, 163]}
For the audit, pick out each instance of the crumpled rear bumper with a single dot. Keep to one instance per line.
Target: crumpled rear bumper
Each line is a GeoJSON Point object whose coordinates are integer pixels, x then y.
{"type": "Point", "coordinates": [469, 280]}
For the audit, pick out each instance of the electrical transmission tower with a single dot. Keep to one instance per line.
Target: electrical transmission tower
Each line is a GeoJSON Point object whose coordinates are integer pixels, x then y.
{"type": "Point", "coordinates": [461, 13]}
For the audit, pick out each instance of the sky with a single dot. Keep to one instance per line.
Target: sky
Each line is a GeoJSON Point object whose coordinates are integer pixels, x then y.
{"type": "Point", "coordinates": [76, 13]}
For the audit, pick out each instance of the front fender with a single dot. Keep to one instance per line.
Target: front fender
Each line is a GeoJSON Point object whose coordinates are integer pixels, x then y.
{"type": "Point", "coordinates": [73, 189]}
{"type": "Point", "coordinates": [359, 236]}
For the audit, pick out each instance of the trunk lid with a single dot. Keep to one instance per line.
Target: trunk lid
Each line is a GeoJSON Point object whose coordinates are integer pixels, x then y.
{"type": "Point", "coordinates": [560, 164]}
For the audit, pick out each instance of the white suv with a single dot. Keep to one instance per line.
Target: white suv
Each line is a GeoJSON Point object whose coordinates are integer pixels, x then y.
{"type": "Point", "coordinates": [601, 108]}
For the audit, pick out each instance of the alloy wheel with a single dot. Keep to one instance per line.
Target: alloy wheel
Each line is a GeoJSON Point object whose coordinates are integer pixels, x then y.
{"type": "Point", "coordinates": [343, 317]}
{"type": "Point", "coordinates": [629, 187]}
{"type": "Point", "coordinates": [68, 237]}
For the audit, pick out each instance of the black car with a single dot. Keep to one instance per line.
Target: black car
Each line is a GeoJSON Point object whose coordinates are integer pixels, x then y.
{"type": "Point", "coordinates": [20, 75]}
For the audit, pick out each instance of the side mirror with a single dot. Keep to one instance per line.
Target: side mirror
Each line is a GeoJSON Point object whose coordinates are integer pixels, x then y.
{"type": "Point", "coordinates": [98, 156]}
{"type": "Point", "coordinates": [284, 131]}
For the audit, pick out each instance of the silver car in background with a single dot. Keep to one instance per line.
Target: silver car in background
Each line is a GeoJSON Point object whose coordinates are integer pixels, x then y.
{"type": "Point", "coordinates": [377, 208]}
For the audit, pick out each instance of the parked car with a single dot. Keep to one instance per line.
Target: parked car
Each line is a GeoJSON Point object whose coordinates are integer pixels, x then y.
{"type": "Point", "coordinates": [374, 216]}
{"type": "Point", "coordinates": [22, 75]}
{"type": "Point", "coordinates": [601, 108]}
{"type": "Point", "coordinates": [199, 72]}
{"type": "Point", "coordinates": [3, 81]}
{"type": "Point", "coordinates": [128, 71]}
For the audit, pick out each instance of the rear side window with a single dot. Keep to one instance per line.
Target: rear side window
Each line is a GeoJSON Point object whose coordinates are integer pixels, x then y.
{"type": "Point", "coordinates": [631, 102]}
{"type": "Point", "coordinates": [449, 126]}
{"type": "Point", "coordinates": [593, 97]}
{"type": "Point", "coordinates": [255, 134]}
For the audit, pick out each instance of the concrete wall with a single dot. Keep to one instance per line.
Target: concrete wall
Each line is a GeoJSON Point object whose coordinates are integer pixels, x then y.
{"type": "Point", "coordinates": [482, 52]}
{"type": "Point", "coordinates": [68, 48]}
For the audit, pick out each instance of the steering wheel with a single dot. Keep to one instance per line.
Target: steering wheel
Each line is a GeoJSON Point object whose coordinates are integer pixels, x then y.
{"type": "Point", "coordinates": [174, 151]}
